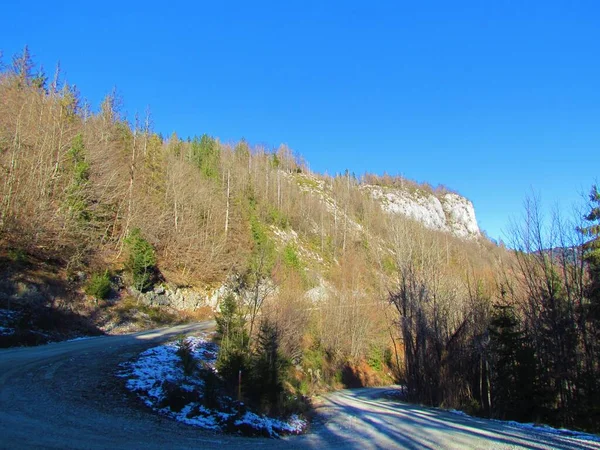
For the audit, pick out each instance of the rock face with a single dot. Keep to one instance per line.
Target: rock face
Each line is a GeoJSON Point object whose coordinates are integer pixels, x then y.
{"type": "Point", "coordinates": [179, 298]}
{"type": "Point", "coordinates": [447, 212]}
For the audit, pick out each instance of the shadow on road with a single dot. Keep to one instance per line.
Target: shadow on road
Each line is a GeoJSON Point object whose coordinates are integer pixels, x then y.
{"type": "Point", "coordinates": [361, 419]}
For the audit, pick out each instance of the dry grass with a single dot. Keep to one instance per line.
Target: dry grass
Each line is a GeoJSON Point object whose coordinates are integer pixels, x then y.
{"type": "Point", "coordinates": [198, 315]}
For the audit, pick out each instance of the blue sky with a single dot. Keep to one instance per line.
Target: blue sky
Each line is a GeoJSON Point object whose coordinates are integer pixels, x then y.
{"type": "Point", "coordinates": [490, 100]}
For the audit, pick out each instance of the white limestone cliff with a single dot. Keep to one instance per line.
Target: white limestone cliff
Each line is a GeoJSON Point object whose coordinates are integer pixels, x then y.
{"type": "Point", "coordinates": [447, 212]}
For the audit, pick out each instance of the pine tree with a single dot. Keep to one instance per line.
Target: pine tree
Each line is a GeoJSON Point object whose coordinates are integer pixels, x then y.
{"type": "Point", "coordinates": [205, 154]}
{"type": "Point", "coordinates": [591, 257]}
{"type": "Point", "coordinates": [233, 354]}
{"type": "Point", "coordinates": [77, 201]}
{"type": "Point", "coordinates": [268, 367]}
{"type": "Point", "coordinates": [514, 368]}
{"type": "Point", "coordinates": [141, 260]}
{"type": "Point", "coordinates": [592, 251]}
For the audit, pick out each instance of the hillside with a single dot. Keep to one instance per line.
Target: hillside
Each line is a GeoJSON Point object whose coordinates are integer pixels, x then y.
{"type": "Point", "coordinates": [107, 227]}
{"type": "Point", "coordinates": [140, 230]}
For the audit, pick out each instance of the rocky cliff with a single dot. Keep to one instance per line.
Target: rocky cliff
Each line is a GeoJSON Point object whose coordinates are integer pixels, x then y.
{"type": "Point", "coordinates": [447, 211]}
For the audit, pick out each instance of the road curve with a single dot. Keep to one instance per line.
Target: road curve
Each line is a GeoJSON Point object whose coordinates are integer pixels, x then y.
{"type": "Point", "coordinates": [65, 395]}
{"type": "Point", "coordinates": [369, 418]}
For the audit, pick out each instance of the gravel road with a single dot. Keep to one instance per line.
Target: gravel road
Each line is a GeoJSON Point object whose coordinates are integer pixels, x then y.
{"type": "Point", "coordinates": [65, 396]}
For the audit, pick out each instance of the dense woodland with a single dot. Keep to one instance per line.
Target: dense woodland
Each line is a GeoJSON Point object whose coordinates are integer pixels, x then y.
{"type": "Point", "coordinates": [324, 288]}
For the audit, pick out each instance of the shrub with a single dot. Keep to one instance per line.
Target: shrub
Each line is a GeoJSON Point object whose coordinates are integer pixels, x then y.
{"type": "Point", "coordinates": [290, 257]}
{"type": "Point", "coordinates": [212, 384]}
{"type": "Point", "coordinates": [141, 261]}
{"type": "Point", "coordinates": [99, 285]}
{"type": "Point", "coordinates": [176, 397]}
{"type": "Point", "coordinates": [17, 255]}
{"type": "Point", "coordinates": [278, 218]}
{"type": "Point", "coordinates": [376, 358]}
{"type": "Point", "coordinates": [187, 357]}
{"type": "Point", "coordinates": [230, 362]}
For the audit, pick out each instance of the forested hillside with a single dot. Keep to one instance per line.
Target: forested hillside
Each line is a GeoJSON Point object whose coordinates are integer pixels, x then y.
{"type": "Point", "coordinates": [308, 267]}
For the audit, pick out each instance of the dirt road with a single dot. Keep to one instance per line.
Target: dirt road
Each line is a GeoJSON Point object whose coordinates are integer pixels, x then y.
{"type": "Point", "coordinates": [369, 418]}
{"type": "Point", "coordinates": [65, 395]}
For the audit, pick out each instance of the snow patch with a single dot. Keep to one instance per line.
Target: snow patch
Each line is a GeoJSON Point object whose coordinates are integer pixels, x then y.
{"type": "Point", "coordinates": [6, 331]}
{"type": "Point", "coordinates": [539, 428]}
{"type": "Point", "coordinates": [151, 374]}
{"type": "Point", "coordinates": [80, 338]}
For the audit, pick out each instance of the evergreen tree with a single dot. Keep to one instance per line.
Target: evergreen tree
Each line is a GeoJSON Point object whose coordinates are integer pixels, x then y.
{"type": "Point", "coordinates": [141, 260]}
{"type": "Point", "coordinates": [40, 79]}
{"type": "Point", "coordinates": [268, 368]}
{"type": "Point", "coordinates": [205, 154]}
{"type": "Point", "coordinates": [590, 410]}
{"type": "Point", "coordinates": [76, 201]}
{"type": "Point", "coordinates": [513, 368]}
{"type": "Point", "coordinates": [233, 354]}
{"type": "Point", "coordinates": [592, 251]}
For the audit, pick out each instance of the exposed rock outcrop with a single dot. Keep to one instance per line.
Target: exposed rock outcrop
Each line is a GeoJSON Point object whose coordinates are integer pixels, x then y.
{"type": "Point", "coordinates": [180, 298]}
{"type": "Point", "coordinates": [447, 212]}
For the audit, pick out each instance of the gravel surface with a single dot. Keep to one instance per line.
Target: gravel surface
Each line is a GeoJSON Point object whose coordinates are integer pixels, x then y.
{"type": "Point", "coordinates": [66, 395]}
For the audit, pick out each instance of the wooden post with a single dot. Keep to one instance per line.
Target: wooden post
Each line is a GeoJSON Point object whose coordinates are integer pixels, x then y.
{"type": "Point", "coordinates": [240, 386]}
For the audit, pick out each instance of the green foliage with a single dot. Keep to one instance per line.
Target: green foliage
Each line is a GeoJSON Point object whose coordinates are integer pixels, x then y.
{"type": "Point", "coordinates": [141, 260]}
{"type": "Point", "coordinates": [262, 258]}
{"type": "Point", "coordinates": [242, 151]}
{"type": "Point", "coordinates": [313, 358]}
{"type": "Point", "coordinates": [378, 357]}
{"type": "Point", "coordinates": [308, 183]}
{"type": "Point", "coordinates": [259, 235]}
{"type": "Point", "coordinates": [174, 145]}
{"type": "Point", "coordinates": [39, 80]}
{"type": "Point", "coordinates": [594, 215]}
{"type": "Point", "coordinates": [17, 255]}
{"type": "Point", "coordinates": [205, 153]}
{"type": "Point", "coordinates": [592, 251]}
{"type": "Point", "coordinates": [233, 351]}
{"type": "Point", "coordinates": [76, 201]}
{"type": "Point", "coordinates": [250, 197]}
{"type": "Point", "coordinates": [99, 285]}
{"type": "Point", "coordinates": [212, 385]}
{"type": "Point", "coordinates": [290, 257]}
{"type": "Point", "coordinates": [389, 265]}
{"type": "Point", "coordinates": [275, 161]}
{"type": "Point", "coordinates": [184, 351]}
{"type": "Point", "coordinates": [515, 390]}
{"type": "Point", "coordinates": [321, 366]}
{"type": "Point", "coordinates": [231, 324]}
{"type": "Point", "coordinates": [264, 369]}
{"type": "Point", "coordinates": [268, 369]}
{"type": "Point", "coordinates": [278, 218]}
{"type": "Point", "coordinates": [123, 134]}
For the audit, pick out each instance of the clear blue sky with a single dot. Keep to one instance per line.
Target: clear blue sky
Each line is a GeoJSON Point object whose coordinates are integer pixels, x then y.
{"type": "Point", "coordinates": [492, 99]}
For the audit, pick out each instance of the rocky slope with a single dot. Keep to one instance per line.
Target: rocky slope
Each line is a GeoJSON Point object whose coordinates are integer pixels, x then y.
{"type": "Point", "coordinates": [446, 212]}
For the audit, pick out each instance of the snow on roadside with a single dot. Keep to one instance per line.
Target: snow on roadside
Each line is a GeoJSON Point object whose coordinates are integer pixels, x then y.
{"type": "Point", "coordinates": [550, 430]}
{"type": "Point", "coordinates": [8, 314]}
{"type": "Point", "coordinates": [539, 428]}
{"type": "Point", "coordinates": [6, 331]}
{"type": "Point", "coordinates": [7, 318]}
{"type": "Point", "coordinates": [157, 375]}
